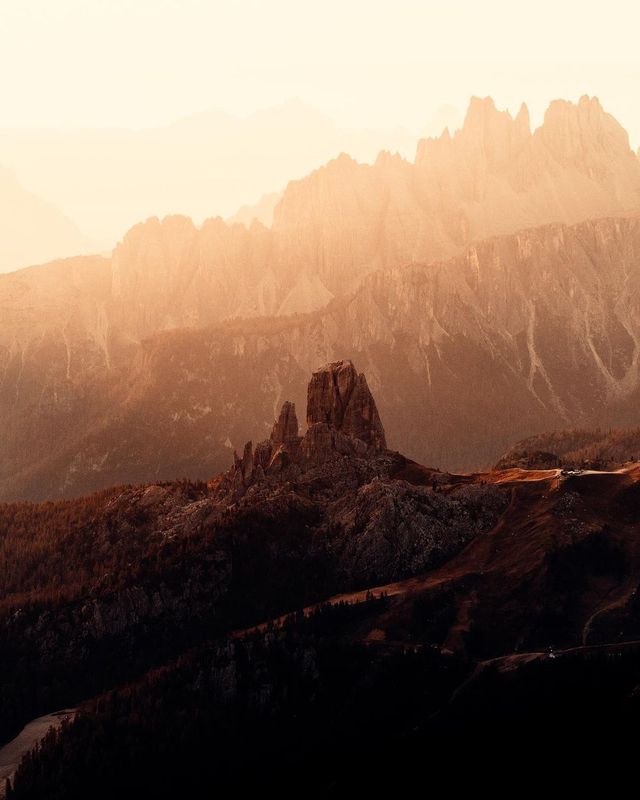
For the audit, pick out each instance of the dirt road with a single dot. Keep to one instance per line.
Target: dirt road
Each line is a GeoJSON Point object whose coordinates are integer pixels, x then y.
{"type": "Point", "coordinates": [12, 752]}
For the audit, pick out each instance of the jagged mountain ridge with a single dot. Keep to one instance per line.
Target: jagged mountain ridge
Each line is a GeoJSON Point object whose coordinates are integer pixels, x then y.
{"type": "Point", "coordinates": [521, 334]}
{"type": "Point", "coordinates": [347, 219]}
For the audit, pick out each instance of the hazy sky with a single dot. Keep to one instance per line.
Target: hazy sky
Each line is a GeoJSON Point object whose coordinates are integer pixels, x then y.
{"type": "Point", "coordinates": [379, 63]}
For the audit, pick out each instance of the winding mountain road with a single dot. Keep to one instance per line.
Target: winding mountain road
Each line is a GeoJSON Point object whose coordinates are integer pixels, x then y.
{"type": "Point", "coordinates": [32, 733]}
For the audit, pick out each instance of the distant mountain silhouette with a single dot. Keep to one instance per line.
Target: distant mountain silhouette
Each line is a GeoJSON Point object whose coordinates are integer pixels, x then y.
{"type": "Point", "coordinates": [33, 231]}
{"type": "Point", "coordinates": [209, 163]}
{"type": "Point", "coordinates": [262, 211]}
{"type": "Point", "coordinates": [348, 219]}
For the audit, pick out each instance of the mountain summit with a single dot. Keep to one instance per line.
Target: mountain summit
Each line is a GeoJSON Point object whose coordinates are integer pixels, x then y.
{"type": "Point", "coordinates": [342, 420]}
{"type": "Point", "coordinates": [339, 397]}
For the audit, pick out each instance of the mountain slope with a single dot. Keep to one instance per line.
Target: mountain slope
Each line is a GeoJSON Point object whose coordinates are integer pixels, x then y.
{"type": "Point", "coordinates": [502, 339]}
{"type": "Point", "coordinates": [580, 447]}
{"type": "Point", "coordinates": [31, 230]}
{"type": "Point", "coordinates": [468, 605]}
{"type": "Point", "coordinates": [164, 566]}
{"type": "Point", "coordinates": [521, 333]}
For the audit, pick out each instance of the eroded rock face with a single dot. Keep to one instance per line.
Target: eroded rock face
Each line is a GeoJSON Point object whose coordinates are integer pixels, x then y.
{"type": "Point", "coordinates": [342, 420]}
{"type": "Point", "coordinates": [361, 418]}
{"type": "Point", "coordinates": [339, 396]}
{"type": "Point", "coordinates": [323, 441]}
{"type": "Point", "coordinates": [285, 428]}
{"type": "Point", "coordinates": [328, 393]}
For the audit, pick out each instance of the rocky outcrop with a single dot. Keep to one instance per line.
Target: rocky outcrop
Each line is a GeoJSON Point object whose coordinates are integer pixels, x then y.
{"type": "Point", "coordinates": [276, 453]}
{"type": "Point", "coordinates": [285, 428]}
{"type": "Point", "coordinates": [342, 420]}
{"type": "Point", "coordinates": [341, 412]}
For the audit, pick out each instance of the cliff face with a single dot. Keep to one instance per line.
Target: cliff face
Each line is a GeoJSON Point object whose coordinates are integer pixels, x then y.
{"type": "Point", "coordinates": [339, 397]}
{"type": "Point", "coordinates": [517, 335]}
{"type": "Point", "coordinates": [170, 274]}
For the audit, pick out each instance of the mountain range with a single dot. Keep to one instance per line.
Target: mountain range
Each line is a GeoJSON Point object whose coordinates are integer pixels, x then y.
{"type": "Point", "coordinates": [107, 179]}
{"type": "Point", "coordinates": [489, 288]}
{"type": "Point", "coordinates": [348, 219]}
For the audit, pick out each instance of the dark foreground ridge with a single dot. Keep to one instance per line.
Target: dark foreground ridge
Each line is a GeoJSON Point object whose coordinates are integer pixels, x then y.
{"type": "Point", "coordinates": [324, 608]}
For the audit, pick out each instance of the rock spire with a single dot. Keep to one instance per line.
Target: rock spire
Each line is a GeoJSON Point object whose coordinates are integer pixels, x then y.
{"type": "Point", "coordinates": [342, 420]}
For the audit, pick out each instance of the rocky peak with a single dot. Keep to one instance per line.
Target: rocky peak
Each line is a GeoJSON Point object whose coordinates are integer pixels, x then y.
{"type": "Point", "coordinates": [479, 111]}
{"type": "Point", "coordinates": [523, 121]}
{"type": "Point", "coordinates": [342, 420]}
{"type": "Point", "coordinates": [579, 131]}
{"type": "Point", "coordinates": [340, 397]}
{"type": "Point", "coordinates": [285, 428]}
{"type": "Point", "coordinates": [489, 139]}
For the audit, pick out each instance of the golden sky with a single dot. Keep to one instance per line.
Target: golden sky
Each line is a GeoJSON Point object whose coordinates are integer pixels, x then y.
{"type": "Point", "coordinates": [379, 64]}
